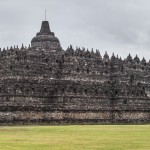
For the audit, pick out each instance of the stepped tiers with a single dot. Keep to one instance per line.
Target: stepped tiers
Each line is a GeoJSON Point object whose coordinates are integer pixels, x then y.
{"type": "Point", "coordinates": [46, 84]}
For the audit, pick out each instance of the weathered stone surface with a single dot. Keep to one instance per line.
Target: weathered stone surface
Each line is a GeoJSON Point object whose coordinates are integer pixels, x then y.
{"type": "Point", "coordinates": [44, 83]}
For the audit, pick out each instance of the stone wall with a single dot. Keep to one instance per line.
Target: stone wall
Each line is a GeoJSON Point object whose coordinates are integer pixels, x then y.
{"type": "Point", "coordinates": [82, 117]}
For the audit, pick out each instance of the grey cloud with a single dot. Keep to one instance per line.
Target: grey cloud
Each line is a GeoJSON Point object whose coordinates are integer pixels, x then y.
{"type": "Point", "coordinates": [112, 25]}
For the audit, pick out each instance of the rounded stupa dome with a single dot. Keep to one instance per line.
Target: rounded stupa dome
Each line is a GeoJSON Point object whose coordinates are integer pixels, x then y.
{"type": "Point", "coordinates": [44, 38]}
{"type": "Point", "coordinates": [106, 56]}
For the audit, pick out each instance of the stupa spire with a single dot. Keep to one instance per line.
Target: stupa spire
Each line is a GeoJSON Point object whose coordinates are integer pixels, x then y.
{"type": "Point", "coordinates": [45, 14]}
{"type": "Point", "coordinates": [45, 29]}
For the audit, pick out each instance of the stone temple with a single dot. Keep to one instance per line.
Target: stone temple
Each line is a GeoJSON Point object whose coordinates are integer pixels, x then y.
{"type": "Point", "coordinates": [46, 84]}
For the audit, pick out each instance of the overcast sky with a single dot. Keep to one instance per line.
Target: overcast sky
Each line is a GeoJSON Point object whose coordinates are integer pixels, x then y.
{"type": "Point", "coordinates": [120, 26]}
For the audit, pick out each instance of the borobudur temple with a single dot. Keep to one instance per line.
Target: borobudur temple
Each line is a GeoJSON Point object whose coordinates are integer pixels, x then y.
{"type": "Point", "coordinates": [46, 84]}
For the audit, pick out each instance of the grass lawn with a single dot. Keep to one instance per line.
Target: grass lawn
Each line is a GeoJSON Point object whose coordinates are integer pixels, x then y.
{"type": "Point", "coordinates": [86, 137]}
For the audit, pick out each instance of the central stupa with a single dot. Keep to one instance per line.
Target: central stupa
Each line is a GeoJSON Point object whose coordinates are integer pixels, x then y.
{"type": "Point", "coordinates": [45, 39]}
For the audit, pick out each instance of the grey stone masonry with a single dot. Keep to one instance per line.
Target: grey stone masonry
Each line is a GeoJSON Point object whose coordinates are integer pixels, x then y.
{"type": "Point", "coordinates": [46, 84]}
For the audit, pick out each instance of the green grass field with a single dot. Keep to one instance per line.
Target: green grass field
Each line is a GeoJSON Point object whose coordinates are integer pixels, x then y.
{"type": "Point", "coordinates": [90, 137]}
